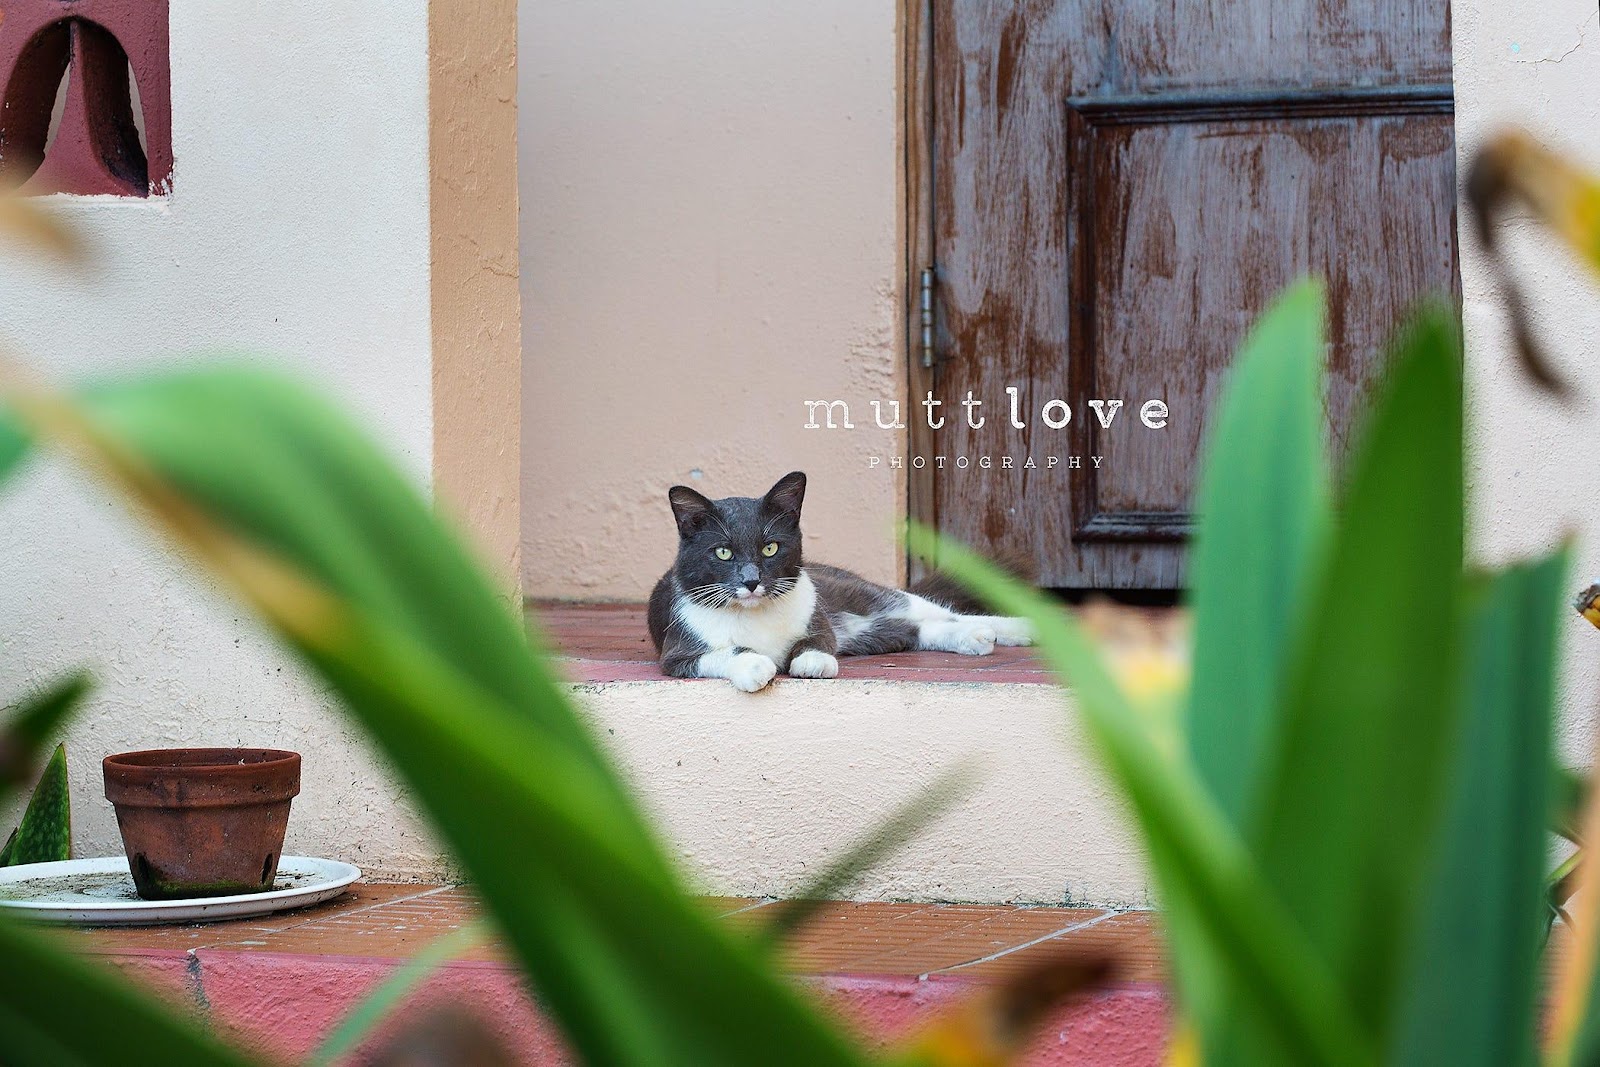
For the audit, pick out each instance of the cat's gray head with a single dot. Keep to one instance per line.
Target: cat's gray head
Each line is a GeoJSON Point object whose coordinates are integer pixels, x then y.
{"type": "Point", "coordinates": [739, 551]}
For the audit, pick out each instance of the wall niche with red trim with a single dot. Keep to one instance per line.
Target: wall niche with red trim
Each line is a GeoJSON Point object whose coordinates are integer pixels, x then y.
{"type": "Point", "coordinates": [85, 97]}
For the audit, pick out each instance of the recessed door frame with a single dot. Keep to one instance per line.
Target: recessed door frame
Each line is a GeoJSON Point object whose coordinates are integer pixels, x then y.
{"type": "Point", "coordinates": [916, 95]}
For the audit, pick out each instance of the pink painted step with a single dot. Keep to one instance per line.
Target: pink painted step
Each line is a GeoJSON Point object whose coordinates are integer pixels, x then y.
{"type": "Point", "coordinates": [279, 986]}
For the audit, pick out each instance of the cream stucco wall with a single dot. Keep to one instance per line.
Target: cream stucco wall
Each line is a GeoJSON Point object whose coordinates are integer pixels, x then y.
{"type": "Point", "coordinates": [298, 227]}
{"type": "Point", "coordinates": [710, 235]}
{"type": "Point", "coordinates": [1535, 465]}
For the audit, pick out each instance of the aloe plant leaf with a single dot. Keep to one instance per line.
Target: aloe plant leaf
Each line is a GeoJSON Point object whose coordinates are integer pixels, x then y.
{"type": "Point", "coordinates": [45, 832]}
{"type": "Point", "coordinates": [1474, 972]}
{"type": "Point", "coordinates": [1198, 857]}
{"type": "Point", "coordinates": [1354, 799]}
{"type": "Point", "coordinates": [277, 493]}
{"type": "Point", "coordinates": [1264, 511]}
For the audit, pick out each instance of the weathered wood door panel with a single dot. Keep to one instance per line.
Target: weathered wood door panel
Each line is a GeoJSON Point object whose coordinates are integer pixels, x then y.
{"type": "Point", "coordinates": [1119, 189]}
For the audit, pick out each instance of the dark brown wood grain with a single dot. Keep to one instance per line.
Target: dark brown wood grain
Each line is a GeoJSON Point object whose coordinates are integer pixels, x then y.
{"type": "Point", "coordinates": [1119, 189]}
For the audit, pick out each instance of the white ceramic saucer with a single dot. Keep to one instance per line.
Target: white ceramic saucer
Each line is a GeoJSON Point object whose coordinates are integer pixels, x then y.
{"type": "Point", "coordinates": [99, 892]}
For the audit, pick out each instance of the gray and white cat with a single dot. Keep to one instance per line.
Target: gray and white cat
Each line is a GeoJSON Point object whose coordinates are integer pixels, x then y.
{"type": "Point", "coordinates": [740, 602]}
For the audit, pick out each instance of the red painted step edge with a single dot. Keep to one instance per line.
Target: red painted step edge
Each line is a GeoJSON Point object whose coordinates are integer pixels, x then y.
{"type": "Point", "coordinates": [283, 1004]}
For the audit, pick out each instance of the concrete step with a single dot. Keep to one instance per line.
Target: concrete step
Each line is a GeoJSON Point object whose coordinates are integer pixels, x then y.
{"type": "Point", "coordinates": [757, 792]}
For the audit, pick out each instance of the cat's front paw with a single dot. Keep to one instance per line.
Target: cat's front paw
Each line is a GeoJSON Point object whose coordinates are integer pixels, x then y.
{"type": "Point", "coordinates": [751, 671]}
{"type": "Point", "coordinates": [813, 663]}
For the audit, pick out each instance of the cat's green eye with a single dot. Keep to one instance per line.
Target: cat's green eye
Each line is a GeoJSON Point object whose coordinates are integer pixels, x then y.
{"type": "Point", "coordinates": [769, 549]}
{"type": "Point", "coordinates": [724, 553]}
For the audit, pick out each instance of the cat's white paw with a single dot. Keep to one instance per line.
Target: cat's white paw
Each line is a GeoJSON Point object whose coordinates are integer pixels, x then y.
{"type": "Point", "coordinates": [751, 671]}
{"type": "Point", "coordinates": [813, 663]}
{"type": "Point", "coordinates": [1012, 632]}
{"type": "Point", "coordinates": [974, 639]}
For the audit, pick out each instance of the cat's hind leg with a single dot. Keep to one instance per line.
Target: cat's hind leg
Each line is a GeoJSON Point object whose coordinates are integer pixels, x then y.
{"type": "Point", "coordinates": [876, 636]}
{"type": "Point", "coordinates": [941, 630]}
{"type": "Point", "coordinates": [1008, 630]}
{"type": "Point", "coordinates": [959, 634]}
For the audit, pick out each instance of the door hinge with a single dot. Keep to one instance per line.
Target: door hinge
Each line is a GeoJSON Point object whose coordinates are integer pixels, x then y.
{"type": "Point", "coordinates": [926, 298]}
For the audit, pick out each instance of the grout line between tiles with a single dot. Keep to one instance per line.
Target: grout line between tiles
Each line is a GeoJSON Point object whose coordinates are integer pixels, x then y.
{"type": "Point", "coordinates": [748, 907]}
{"type": "Point", "coordinates": [1084, 925]}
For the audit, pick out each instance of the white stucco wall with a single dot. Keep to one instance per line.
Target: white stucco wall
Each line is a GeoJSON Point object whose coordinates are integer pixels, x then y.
{"type": "Point", "coordinates": [709, 236]}
{"type": "Point", "coordinates": [1535, 465]}
{"type": "Point", "coordinates": [297, 228]}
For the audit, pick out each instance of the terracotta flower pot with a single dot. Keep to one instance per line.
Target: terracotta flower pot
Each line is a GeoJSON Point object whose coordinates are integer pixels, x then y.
{"type": "Point", "coordinates": [202, 822]}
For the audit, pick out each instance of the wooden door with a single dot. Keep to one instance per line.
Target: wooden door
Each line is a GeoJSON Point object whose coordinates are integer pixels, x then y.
{"type": "Point", "coordinates": [1119, 188]}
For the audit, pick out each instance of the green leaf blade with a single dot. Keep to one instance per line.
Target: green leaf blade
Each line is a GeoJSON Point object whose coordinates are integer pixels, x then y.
{"type": "Point", "coordinates": [31, 725]}
{"type": "Point", "coordinates": [1225, 906]}
{"type": "Point", "coordinates": [46, 989]}
{"type": "Point", "coordinates": [1264, 511]}
{"type": "Point", "coordinates": [1474, 973]}
{"type": "Point", "coordinates": [1355, 794]}
{"type": "Point", "coordinates": [427, 657]}
{"type": "Point", "coordinates": [14, 447]}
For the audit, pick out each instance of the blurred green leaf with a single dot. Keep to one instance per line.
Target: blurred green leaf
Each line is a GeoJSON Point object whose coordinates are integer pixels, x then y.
{"type": "Point", "coordinates": [45, 832]}
{"type": "Point", "coordinates": [1264, 508]}
{"type": "Point", "coordinates": [59, 1009]}
{"type": "Point", "coordinates": [31, 726]}
{"type": "Point", "coordinates": [282, 496]}
{"type": "Point", "coordinates": [1354, 799]}
{"type": "Point", "coordinates": [25, 221]}
{"type": "Point", "coordinates": [1264, 513]}
{"type": "Point", "coordinates": [883, 840]}
{"type": "Point", "coordinates": [1196, 854]}
{"type": "Point", "coordinates": [378, 1005]}
{"type": "Point", "coordinates": [1572, 792]}
{"type": "Point", "coordinates": [13, 448]}
{"type": "Point", "coordinates": [592, 919]}
{"type": "Point", "coordinates": [1474, 979]}
{"type": "Point", "coordinates": [283, 470]}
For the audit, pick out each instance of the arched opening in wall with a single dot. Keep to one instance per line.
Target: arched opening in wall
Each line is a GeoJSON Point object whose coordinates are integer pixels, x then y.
{"type": "Point", "coordinates": [37, 81]}
{"type": "Point", "coordinates": [137, 107]}
{"type": "Point", "coordinates": [74, 116]}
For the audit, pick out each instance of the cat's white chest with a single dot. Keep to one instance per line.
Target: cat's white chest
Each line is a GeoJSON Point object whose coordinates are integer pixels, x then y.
{"type": "Point", "coordinates": [771, 629]}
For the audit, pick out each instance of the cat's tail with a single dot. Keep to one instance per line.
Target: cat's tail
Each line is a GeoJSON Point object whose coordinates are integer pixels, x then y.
{"type": "Point", "coordinates": [946, 591]}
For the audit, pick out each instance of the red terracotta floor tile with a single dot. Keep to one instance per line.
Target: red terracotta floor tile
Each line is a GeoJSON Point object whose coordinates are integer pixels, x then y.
{"type": "Point", "coordinates": [980, 942]}
{"type": "Point", "coordinates": [1131, 938]}
{"type": "Point", "coordinates": [360, 897]}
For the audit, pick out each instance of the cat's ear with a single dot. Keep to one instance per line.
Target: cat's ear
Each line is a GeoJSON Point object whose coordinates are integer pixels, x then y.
{"type": "Point", "coordinates": [691, 509]}
{"type": "Point", "coordinates": [786, 496]}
